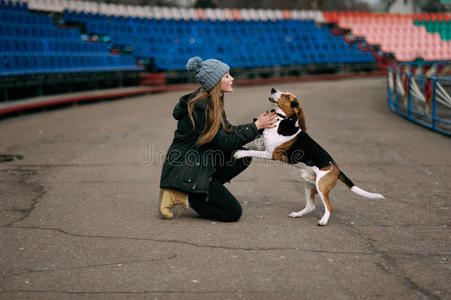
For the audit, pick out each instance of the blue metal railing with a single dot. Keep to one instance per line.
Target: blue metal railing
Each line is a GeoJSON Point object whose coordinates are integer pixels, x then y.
{"type": "Point", "coordinates": [421, 98]}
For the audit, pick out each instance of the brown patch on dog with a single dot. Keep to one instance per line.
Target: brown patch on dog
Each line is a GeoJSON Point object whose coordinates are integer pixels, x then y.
{"type": "Point", "coordinates": [279, 151]}
{"type": "Point", "coordinates": [290, 105]}
{"type": "Point", "coordinates": [279, 155]}
{"type": "Point", "coordinates": [301, 119]}
{"type": "Point", "coordinates": [327, 183]}
{"type": "Point", "coordinates": [284, 102]}
{"type": "Point", "coordinates": [313, 192]}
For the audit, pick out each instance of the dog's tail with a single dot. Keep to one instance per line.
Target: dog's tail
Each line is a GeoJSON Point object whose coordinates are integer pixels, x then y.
{"type": "Point", "coordinates": [358, 190]}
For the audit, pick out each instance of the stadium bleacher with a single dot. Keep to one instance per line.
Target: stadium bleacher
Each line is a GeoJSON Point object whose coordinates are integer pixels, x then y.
{"type": "Point", "coordinates": [65, 36]}
{"type": "Point", "coordinates": [33, 44]}
{"type": "Point", "coordinates": [442, 27]}
{"type": "Point", "coordinates": [397, 34]}
{"type": "Point", "coordinates": [171, 42]}
{"type": "Point", "coordinates": [167, 35]}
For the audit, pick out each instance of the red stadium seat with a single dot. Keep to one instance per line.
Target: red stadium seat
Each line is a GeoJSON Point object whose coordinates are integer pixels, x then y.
{"type": "Point", "coordinates": [396, 33]}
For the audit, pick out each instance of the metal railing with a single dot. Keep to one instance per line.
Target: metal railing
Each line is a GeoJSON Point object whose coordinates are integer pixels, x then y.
{"type": "Point", "coordinates": [421, 93]}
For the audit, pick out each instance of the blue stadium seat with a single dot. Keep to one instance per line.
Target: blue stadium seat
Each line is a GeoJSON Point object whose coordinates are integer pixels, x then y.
{"type": "Point", "coordinates": [169, 42]}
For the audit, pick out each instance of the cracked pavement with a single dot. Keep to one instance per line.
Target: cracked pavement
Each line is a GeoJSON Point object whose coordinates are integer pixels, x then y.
{"type": "Point", "coordinates": [78, 215]}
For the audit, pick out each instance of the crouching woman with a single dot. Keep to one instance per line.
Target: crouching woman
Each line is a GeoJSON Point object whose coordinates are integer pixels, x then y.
{"type": "Point", "coordinates": [199, 160]}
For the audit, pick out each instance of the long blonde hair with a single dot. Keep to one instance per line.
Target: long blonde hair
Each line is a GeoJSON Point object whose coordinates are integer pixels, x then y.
{"type": "Point", "coordinates": [214, 110]}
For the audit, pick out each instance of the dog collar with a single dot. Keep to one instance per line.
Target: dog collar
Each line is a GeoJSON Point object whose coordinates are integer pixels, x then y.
{"type": "Point", "coordinates": [285, 117]}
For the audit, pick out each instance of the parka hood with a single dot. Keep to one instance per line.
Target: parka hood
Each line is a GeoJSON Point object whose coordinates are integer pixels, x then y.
{"type": "Point", "coordinates": [181, 108]}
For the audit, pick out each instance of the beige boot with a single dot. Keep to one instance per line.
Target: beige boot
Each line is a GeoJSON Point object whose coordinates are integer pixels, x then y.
{"type": "Point", "coordinates": [168, 199]}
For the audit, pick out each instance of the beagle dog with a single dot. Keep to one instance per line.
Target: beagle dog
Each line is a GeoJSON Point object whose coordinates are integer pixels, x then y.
{"type": "Point", "coordinates": [289, 142]}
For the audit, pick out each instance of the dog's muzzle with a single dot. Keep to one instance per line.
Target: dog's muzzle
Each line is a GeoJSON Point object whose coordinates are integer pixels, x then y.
{"type": "Point", "coordinates": [272, 100]}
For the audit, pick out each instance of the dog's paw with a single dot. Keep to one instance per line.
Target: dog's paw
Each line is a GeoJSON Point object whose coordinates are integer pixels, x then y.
{"type": "Point", "coordinates": [322, 222]}
{"type": "Point", "coordinates": [239, 154]}
{"type": "Point", "coordinates": [296, 214]}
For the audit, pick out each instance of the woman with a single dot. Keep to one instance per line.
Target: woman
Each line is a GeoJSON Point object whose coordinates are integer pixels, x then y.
{"type": "Point", "coordinates": [199, 160]}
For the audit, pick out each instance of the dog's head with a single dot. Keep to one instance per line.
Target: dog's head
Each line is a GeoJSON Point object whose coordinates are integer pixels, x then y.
{"type": "Point", "coordinates": [288, 105]}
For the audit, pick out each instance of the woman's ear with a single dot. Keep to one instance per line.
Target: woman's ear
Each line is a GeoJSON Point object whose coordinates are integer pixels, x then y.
{"type": "Point", "coordinates": [301, 119]}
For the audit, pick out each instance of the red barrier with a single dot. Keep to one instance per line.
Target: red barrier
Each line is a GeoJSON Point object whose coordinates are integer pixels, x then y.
{"type": "Point", "coordinates": [154, 79]}
{"type": "Point", "coordinates": [96, 96]}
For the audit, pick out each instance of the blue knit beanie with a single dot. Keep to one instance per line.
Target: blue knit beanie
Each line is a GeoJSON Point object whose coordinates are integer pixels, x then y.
{"type": "Point", "coordinates": [208, 72]}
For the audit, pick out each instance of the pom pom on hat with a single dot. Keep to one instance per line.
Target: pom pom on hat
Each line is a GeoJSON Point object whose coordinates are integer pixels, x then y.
{"type": "Point", "coordinates": [194, 64]}
{"type": "Point", "coordinates": [208, 72]}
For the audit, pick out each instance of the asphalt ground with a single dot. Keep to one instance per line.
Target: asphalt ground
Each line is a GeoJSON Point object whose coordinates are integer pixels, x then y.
{"type": "Point", "coordinates": [79, 218]}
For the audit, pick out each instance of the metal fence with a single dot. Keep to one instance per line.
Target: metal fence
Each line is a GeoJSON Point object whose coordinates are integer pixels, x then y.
{"type": "Point", "coordinates": [421, 93]}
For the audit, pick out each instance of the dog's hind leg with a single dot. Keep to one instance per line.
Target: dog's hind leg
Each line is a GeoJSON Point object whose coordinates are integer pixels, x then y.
{"type": "Point", "coordinates": [327, 208]}
{"type": "Point", "coordinates": [310, 192]}
{"type": "Point", "coordinates": [326, 180]}
{"type": "Point", "coordinates": [309, 177]}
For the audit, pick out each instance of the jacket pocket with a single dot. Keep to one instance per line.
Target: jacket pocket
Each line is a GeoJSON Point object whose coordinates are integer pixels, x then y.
{"type": "Point", "coordinates": [192, 170]}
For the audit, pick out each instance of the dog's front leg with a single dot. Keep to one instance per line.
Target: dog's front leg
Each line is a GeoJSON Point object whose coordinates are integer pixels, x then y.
{"type": "Point", "coordinates": [310, 192]}
{"type": "Point", "coordinates": [252, 153]}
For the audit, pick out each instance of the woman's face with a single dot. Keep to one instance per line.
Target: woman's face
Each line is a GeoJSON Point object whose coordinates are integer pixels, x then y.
{"type": "Point", "coordinates": [227, 83]}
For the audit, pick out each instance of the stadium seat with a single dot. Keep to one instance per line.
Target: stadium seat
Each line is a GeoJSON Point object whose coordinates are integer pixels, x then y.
{"type": "Point", "coordinates": [171, 36]}
{"type": "Point", "coordinates": [45, 48]}
{"type": "Point", "coordinates": [441, 26]}
{"type": "Point", "coordinates": [396, 33]}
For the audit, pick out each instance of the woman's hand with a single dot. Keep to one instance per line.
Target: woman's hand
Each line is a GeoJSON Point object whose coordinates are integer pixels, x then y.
{"type": "Point", "coordinates": [266, 120]}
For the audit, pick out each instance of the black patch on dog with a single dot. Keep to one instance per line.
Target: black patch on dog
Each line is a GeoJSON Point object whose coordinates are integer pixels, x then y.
{"type": "Point", "coordinates": [294, 104]}
{"type": "Point", "coordinates": [288, 126]}
{"type": "Point", "coordinates": [306, 150]}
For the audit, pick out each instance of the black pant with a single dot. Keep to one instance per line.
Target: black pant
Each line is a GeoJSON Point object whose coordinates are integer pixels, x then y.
{"type": "Point", "coordinates": [219, 204]}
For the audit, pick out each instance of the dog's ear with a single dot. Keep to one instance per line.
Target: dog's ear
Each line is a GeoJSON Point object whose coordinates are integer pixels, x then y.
{"type": "Point", "coordinates": [301, 119]}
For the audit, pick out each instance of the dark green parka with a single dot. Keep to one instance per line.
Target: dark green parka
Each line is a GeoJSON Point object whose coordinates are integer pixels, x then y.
{"type": "Point", "coordinates": [188, 167]}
